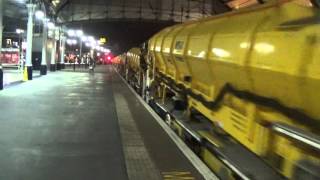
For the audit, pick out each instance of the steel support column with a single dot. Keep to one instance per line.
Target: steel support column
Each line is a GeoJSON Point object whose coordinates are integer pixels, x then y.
{"type": "Point", "coordinates": [59, 50]}
{"type": "Point", "coordinates": [63, 50]}
{"type": "Point", "coordinates": [1, 30]}
{"type": "Point", "coordinates": [28, 68]}
{"type": "Point", "coordinates": [53, 53]}
{"type": "Point", "coordinates": [43, 68]}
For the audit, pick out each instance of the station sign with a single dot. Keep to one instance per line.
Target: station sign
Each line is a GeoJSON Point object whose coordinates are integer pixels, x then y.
{"type": "Point", "coordinates": [103, 40]}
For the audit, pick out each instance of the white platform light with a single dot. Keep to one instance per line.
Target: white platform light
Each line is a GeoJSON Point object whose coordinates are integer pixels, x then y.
{"type": "Point", "coordinates": [71, 41]}
{"type": "Point", "coordinates": [79, 33]}
{"type": "Point", "coordinates": [106, 50]}
{"type": "Point", "coordinates": [51, 25]}
{"type": "Point", "coordinates": [91, 39]}
{"type": "Point", "coordinates": [19, 31]}
{"type": "Point", "coordinates": [74, 41]}
{"type": "Point", "coordinates": [84, 38]}
{"type": "Point", "coordinates": [39, 14]}
{"type": "Point", "coordinates": [71, 33]}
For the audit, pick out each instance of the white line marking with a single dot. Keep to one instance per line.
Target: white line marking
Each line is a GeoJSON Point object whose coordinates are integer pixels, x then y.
{"type": "Point", "coordinates": [193, 158]}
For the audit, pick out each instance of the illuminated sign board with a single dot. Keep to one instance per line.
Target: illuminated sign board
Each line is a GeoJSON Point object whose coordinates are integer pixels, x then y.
{"type": "Point", "coordinates": [103, 40]}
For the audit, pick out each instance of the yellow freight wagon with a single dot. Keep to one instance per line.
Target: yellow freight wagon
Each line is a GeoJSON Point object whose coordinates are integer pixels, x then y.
{"type": "Point", "coordinates": [255, 73]}
{"type": "Point", "coordinates": [133, 58]}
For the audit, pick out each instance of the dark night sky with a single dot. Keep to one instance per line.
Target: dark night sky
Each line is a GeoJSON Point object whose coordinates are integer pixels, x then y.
{"type": "Point", "coordinates": [122, 35]}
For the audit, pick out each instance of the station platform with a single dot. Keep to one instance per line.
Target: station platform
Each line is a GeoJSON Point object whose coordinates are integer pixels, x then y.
{"type": "Point", "coordinates": [80, 125]}
{"type": "Point", "coordinates": [14, 76]}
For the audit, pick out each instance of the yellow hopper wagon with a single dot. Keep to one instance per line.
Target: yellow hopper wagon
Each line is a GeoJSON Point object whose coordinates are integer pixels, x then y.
{"type": "Point", "coordinates": [242, 89]}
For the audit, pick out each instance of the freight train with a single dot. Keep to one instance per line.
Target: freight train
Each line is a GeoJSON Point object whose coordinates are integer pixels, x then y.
{"type": "Point", "coordinates": [241, 89]}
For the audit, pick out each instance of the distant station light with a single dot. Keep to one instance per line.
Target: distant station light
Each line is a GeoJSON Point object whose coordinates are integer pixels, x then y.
{"type": "Point", "coordinates": [93, 45]}
{"type": "Point", "coordinates": [51, 25]}
{"type": "Point", "coordinates": [107, 51]}
{"type": "Point", "coordinates": [91, 39]}
{"type": "Point", "coordinates": [55, 2]}
{"type": "Point", "coordinates": [84, 38]}
{"type": "Point", "coordinates": [20, 1]}
{"type": "Point", "coordinates": [39, 14]}
{"type": "Point", "coordinates": [19, 31]}
{"type": "Point", "coordinates": [79, 33]}
{"type": "Point", "coordinates": [24, 45]}
{"type": "Point", "coordinates": [71, 41]}
{"type": "Point", "coordinates": [71, 33]}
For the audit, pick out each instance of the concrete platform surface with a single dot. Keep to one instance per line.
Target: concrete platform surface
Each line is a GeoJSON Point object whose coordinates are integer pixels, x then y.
{"type": "Point", "coordinates": [82, 126]}
{"type": "Point", "coordinates": [11, 76]}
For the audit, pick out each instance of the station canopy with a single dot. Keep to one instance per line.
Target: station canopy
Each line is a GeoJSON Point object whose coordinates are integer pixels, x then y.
{"type": "Point", "coordinates": [146, 10]}
{"type": "Point", "coordinates": [14, 12]}
{"type": "Point", "coordinates": [68, 11]}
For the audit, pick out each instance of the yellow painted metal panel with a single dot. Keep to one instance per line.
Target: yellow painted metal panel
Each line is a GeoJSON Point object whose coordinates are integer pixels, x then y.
{"type": "Point", "coordinates": [167, 47]}
{"type": "Point", "coordinates": [179, 54]}
{"type": "Point", "coordinates": [133, 58]}
{"type": "Point", "coordinates": [269, 51]}
{"type": "Point", "coordinates": [161, 65]}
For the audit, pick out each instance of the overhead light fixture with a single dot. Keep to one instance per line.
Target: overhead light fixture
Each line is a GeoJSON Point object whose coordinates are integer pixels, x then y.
{"type": "Point", "coordinates": [21, 1]}
{"type": "Point", "coordinates": [84, 38]}
{"type": "Point", "coordinates": [19, 31]}
{"type": "Point", "coordinates": [106, 51]}
{"type": "Point", "coordinates": [74, 41]}
{"type": "Point", "coordinates": [55, 2]}
{"type": "Point", "coordinates": [91, 39]}
{"type": "Point", "coordinates": [79, 33]}
{"type": "Point", "coordinates": [51, 25]}
{"type": "Point", "coordinates": [71, 33]}
{"type": "Point", "coordinates": [39, 14]}
{"type": "Point", "coordinates": [71, 41]}
{"type": "Point", "coordinates": [92, 45]}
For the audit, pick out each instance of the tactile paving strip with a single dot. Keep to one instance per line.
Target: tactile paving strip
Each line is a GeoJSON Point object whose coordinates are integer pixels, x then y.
{"type": "Point", "coordinates": [138, 162]}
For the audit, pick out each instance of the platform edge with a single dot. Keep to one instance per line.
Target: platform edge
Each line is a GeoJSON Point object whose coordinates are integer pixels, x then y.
{"type": "Point", "coordinates": [202, 168]}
